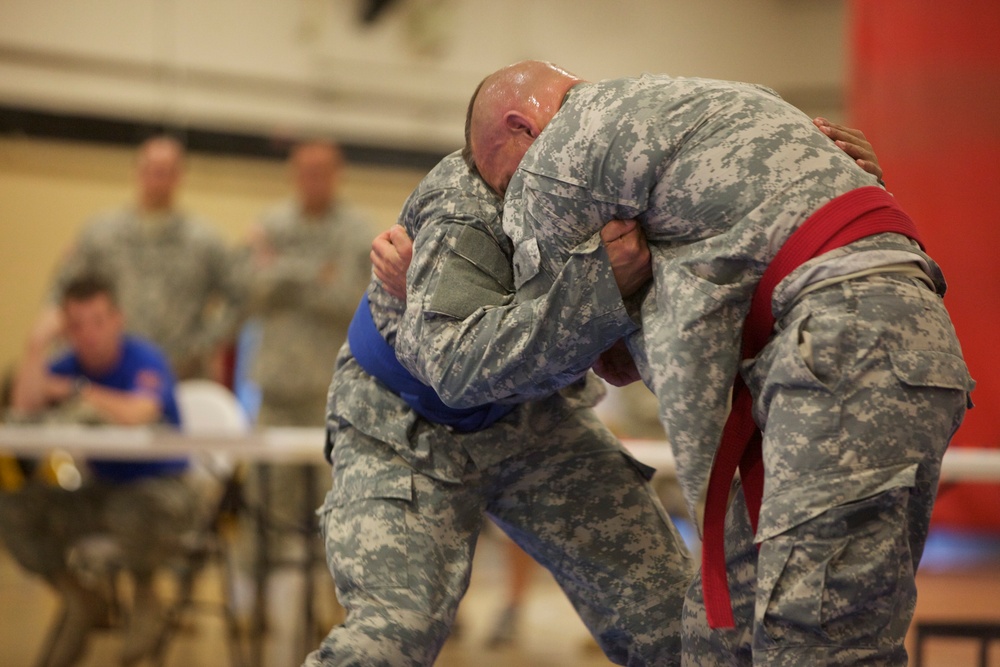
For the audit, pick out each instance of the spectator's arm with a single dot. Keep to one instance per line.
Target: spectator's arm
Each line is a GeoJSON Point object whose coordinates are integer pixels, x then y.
{"type": "Point", "coordinates": [125, 408]}
{"type": "Point", "coordinates": [327, 288]}
{"type": "Point", "coordinates": [33, 389]}
{"type": "Point", "coordinates": [227, 305]}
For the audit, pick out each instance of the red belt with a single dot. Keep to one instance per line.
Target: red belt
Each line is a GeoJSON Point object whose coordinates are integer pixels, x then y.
{"type": "Point", "coordinates": [849, 217]}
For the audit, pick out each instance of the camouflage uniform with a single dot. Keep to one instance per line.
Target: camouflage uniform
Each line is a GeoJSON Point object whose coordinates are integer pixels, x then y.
{"type": "Point", "coordinates": [304, 300]}
{"type": "Point", "coordinates": [409, 497]}
{"type": "Point", "coordinates": [168, 269]}
{"type": "Point", "coordinates": [149, 519]}
{"type": "Point", "coordinates": [857, 392]}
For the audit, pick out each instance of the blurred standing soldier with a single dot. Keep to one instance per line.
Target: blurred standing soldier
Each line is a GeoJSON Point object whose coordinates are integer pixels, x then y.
{"type": "Point", "coordinates": [168, 266]}
{"type": "Point", "coordinates": [309, 265]}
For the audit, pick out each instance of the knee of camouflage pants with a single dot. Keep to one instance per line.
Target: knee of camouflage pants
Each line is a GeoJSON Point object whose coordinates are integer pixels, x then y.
{"type": "Point", "coordinates": [39, 523]}
{"type": "Point", "coordinates": [369, 638]}
{"type": "Point", "coordinates": [399, 545]}
{"type": "Point", "coordinates": [154, 521]}
{"type": "Point", "coordinates": [391, 620]}
{"type": "Point", "coordinates": [838, 589]}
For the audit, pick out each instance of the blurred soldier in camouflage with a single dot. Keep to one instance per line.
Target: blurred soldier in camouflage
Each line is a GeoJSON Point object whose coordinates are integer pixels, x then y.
{"type": "Point", "coordinates": [414, 480]}
{"type": "Point", "coordinates": [857, 388]}
{"type": "Point", "coordinates": [308, 267]}
{"type": "Point", "coordinates": [168, 267]}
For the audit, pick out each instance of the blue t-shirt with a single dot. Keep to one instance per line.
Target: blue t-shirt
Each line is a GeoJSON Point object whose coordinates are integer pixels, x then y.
{"type": "Point", "coordinates": [141, 368]}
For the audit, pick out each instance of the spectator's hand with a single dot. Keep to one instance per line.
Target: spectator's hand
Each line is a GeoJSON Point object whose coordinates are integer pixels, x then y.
{"type": "Point", "coordinates": [853, 143]}
{"type": "Point", "coordinates": [616, 366]}
{"type": "Point", "coordinates": [58, 388]}
{"type": "Point", "coordinates": [630, 258]}
{"type": "Point", "coordinates": [391, 253]}
{"type": "Point", "coordinates": [47, 329]}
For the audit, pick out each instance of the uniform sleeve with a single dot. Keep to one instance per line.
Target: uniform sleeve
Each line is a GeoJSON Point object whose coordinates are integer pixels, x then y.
{"type": "Point", "coordinates": [283, 284]}
{"type": "Point", "coordinates": [327, 288]}
{"type": "Point", "coordinates": [464, 334]}
{"type": "Point", "coordinates": [226, 289]}
{"type": "Point", "coordinates": [338, 287]}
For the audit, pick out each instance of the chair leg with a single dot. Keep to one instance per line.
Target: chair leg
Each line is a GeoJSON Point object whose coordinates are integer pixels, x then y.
{"type": "Point", "coordinates": [174, 615]}
{"type": "Point", "coordinates": [45, 655]}
{"type": "Point", "coordinates": [918, 651]}
{"type": "Point", "coordinates": [212, 549]}
{"type": "Point", "coordinates": [81, 613]}
{"type": "Point", "coordinates": [237, 657]}
{"type": "Point", "coordinates": [262, 568]}
{"type": "Point", "coordinates": [185, 601]}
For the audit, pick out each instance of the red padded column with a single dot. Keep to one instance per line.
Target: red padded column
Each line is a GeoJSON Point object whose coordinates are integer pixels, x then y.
{"type": "Point", "coordinates": [925, 88]}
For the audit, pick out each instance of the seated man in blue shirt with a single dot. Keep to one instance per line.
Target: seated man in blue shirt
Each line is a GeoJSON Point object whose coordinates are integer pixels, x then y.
{"type": "Point", "coordinates": [145, 507]}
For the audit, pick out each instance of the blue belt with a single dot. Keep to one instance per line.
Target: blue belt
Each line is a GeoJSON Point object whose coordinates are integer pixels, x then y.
{"type": "Point", "coordinates": [378, 359]}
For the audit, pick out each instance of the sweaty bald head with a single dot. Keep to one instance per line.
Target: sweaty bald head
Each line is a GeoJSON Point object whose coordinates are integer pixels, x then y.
{"type": "Point", "coordinates": [508, 111]}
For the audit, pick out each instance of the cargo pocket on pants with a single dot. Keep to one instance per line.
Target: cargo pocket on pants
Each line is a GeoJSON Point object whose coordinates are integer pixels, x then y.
{"type": "Point", "coordinates": [844, 577]}
{"type": "Point", "coordinates": [364, 525]}
{"type": "Point", "coordinates": [930, 370]}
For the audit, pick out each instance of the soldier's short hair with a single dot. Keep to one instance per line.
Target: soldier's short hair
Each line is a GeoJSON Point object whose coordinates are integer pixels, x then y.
{"type": "Point", "coordinates": [162, 139]}
{"type": "Point", "coordinates": [467, 148]}
{"type": "Point", "coordinates": [87, 286]}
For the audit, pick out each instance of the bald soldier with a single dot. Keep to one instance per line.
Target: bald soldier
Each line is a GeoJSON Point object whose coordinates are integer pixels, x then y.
{"type": "Point", "coordinates": [858, 385]}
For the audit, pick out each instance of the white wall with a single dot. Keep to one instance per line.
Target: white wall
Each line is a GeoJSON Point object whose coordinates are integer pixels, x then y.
{"type": "Point", "coordinates": [287, 66]}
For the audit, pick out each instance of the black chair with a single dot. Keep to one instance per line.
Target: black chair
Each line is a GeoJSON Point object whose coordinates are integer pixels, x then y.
{"type": "Point", "coordinates": [983, 632]}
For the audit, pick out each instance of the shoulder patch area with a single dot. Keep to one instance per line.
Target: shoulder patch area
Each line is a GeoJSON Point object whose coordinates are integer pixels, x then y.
{"type": "Point", "coordinates": [476, 273]}
{"type": "Point", "coordinates": [482, 250]}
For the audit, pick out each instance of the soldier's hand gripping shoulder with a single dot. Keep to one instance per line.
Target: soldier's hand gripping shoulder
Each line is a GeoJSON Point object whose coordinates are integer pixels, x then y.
{"type": "Point", "coordinates": [629, 255]}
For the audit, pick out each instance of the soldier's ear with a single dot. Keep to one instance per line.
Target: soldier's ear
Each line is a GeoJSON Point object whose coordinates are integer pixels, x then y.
{"type": "Point", "coordinates": [517, 123]}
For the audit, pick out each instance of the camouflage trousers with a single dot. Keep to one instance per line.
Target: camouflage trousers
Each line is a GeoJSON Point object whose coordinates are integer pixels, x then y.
{"type": "Point", "coordinates": [147, 519]}
{"type": "Point", "coordinates": [858, 395]}
{"type": "Point", "coordinates": [400, 544]}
